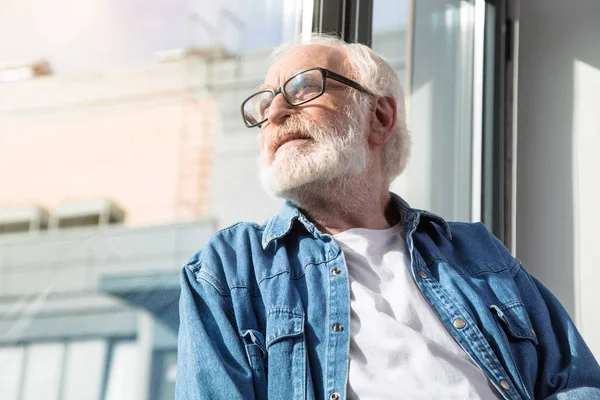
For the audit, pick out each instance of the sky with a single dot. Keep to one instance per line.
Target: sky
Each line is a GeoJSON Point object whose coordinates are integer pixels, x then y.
{"type": "Point", "coordinates": [86, 36]}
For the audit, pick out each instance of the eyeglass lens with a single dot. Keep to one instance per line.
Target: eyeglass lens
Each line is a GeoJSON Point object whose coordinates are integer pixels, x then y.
{"type": "Point", "coordinates": [299, 89]}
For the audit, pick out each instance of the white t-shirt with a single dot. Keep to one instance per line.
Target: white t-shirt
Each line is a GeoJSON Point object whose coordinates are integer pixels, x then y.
{"type": "Point", "coordinates": [398, 345]}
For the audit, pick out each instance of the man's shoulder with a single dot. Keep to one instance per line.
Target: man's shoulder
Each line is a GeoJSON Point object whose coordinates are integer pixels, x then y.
{"type": "Point", "coordinates": [236, 233]}
{"type": "Point", "coordinates": [470, 231]}
{"type": "Point", "coordinates": [237, 238]}
{"type": "Point", "coordinates": [228, 254]}
{"type": "Point", "coordinates": [472, 248]}
{"type": "Point", "coordinates": [475, 233]}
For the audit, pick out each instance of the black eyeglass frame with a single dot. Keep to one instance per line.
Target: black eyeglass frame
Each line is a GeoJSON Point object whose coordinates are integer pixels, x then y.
{"type": "Point", "coordinates": [325, 73]}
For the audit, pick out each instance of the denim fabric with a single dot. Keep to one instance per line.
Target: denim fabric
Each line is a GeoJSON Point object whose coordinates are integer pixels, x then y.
{"type": "Point", "coordinates": [263, 316]}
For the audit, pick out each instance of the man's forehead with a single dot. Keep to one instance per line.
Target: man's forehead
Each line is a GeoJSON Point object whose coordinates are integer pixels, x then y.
{"type": "Point", "coordinates": [303, 57]}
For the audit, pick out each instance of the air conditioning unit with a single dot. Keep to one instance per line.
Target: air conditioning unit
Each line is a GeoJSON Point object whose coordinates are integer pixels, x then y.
{"type": "Point", "coordinates": [23, 219]}
{"type": "Point", "coordinates": [209, 53]}
{"type": "Point", "coordinates": [24, 71]}
{"type": "Point", "coordinates": [86, 213]}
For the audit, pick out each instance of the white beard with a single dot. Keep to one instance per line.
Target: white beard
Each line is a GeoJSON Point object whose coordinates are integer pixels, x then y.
{"type": "Point", "coordinates": [337, 150]}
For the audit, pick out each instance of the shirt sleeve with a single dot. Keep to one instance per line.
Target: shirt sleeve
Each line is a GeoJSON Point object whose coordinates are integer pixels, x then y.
{"type": "Point", "coordinates": [211, 356]}
{"type": "Point", "coordinates": [567, 369]}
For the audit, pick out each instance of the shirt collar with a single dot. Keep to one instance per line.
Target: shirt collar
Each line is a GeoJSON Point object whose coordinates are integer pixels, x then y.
{"type": "Point", "coordinates": [416, 216]}
{"type": "Point", "coordinates": [281, 224]}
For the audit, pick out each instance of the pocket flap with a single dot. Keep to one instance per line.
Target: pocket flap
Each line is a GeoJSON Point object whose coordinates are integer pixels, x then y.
{"type": "Point", "coordinates": [282, 323]}
{"type": "Point", "coordinates": [254, 337]}
{"type": "Point", "coordinates": [515, 318]}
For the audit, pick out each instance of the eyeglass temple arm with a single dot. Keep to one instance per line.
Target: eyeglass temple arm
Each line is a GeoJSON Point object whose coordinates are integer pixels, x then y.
{"type": "Point", "coordinates": [346, 81]}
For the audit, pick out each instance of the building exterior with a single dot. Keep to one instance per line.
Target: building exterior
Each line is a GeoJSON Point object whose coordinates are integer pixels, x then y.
{"type": "Point", "coordinates": [108, 182]}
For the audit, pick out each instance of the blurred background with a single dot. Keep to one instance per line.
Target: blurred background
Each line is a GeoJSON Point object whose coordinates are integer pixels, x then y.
{"type": "Point", "coordinates": [122, 150]}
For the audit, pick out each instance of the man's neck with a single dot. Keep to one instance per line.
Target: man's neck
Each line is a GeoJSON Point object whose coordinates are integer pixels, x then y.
{"type": "Point", "coordinates": [340, 205]}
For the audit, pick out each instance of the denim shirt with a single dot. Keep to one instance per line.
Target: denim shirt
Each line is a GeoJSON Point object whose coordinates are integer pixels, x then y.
{"type": "Point", "coordinates": [265, 312]}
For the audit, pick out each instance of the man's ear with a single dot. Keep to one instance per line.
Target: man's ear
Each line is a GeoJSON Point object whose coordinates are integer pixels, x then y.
{"type": "Point", "coordinates": [383, 120]}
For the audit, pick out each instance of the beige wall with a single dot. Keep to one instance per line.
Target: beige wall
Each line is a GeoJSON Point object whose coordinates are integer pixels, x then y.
{"type": "Point", "coordinates": [558, 163]}
{"type": "Point", "coordinates": [149, 152]}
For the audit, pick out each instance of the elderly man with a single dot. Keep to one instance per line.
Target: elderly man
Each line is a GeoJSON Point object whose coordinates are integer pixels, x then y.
{"type": "Point", "coordinates": [348, 292]}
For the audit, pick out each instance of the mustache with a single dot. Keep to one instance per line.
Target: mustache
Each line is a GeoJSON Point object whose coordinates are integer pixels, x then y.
{"type": "Point", "coordinates": [294, 125]}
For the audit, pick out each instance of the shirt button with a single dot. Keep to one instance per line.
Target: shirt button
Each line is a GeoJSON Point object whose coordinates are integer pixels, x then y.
{"type": "Point", "coordinates": [422, 274]}
{"type": "Point", "coordinates": [336, 271]}
{"type": "Point", "coordinates": [337, 328]}
{"type": "Point", "coordinates": [504, 385]}
{"type": "Point", "coordinates": [334, 396]}
{"type": "Point", "coordinates": [459, 323]}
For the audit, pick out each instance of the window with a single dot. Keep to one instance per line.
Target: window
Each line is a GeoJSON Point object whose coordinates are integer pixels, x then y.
{"type": "Point", "coordinates": [72, 370]}
{"type": "Point", "coordinates": [11, 365]}
{"type": "Point", "coordinates": [122, 379]}
{"type": "Point", "coordinates": [431, 45]}
{"type": "Point", "coordinates": [164, 372]}
{"type": "Point", "coordinates": [84, 370]}
{"type": "Point", "coordinates": [43, 371]}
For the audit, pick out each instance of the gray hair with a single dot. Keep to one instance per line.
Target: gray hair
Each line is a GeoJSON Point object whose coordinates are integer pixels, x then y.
{"type": "Point", "coordinates": [376, 75]}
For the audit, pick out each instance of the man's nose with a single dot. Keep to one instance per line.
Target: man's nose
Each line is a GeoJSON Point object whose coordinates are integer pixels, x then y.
{"type": "Point", "coordinates": [279, 110]}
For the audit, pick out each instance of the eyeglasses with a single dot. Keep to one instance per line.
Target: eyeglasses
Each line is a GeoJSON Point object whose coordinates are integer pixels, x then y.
{"type": "Point", "coordinates": [301, 88]}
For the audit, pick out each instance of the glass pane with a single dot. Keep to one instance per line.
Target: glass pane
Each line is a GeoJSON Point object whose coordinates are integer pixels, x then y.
{"type": "Point", "coordinates": [430, 44]}
{"type": "Point", "coordinates": [391, 36]}
{"type": "Point", "coordinates": [168, 374]}
{"type": "Point", "coordinates": [123, 372]}
{"type": "Point", "coordinates": [11, 366]}
{"type": "Point", "coordinates": [84, 370]}
{"type": "Point", "coordinates": [140, 154]}
{"type": "Point", "coordinates": [43, 371]}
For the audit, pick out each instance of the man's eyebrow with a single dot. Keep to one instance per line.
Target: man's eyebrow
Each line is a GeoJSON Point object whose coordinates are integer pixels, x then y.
{"type": "Point", "coordinates": [260, 87]}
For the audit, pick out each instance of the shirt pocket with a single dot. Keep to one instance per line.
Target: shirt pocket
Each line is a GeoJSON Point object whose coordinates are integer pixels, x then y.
{"type": "Point", "coordinates": [256, 353]}
{"type": "Point", "coordinates": [519, 350]}
{"type": "Point", "coordinates": [286, 353]}
{"type": "Point", "coordinates": [515, 321]}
